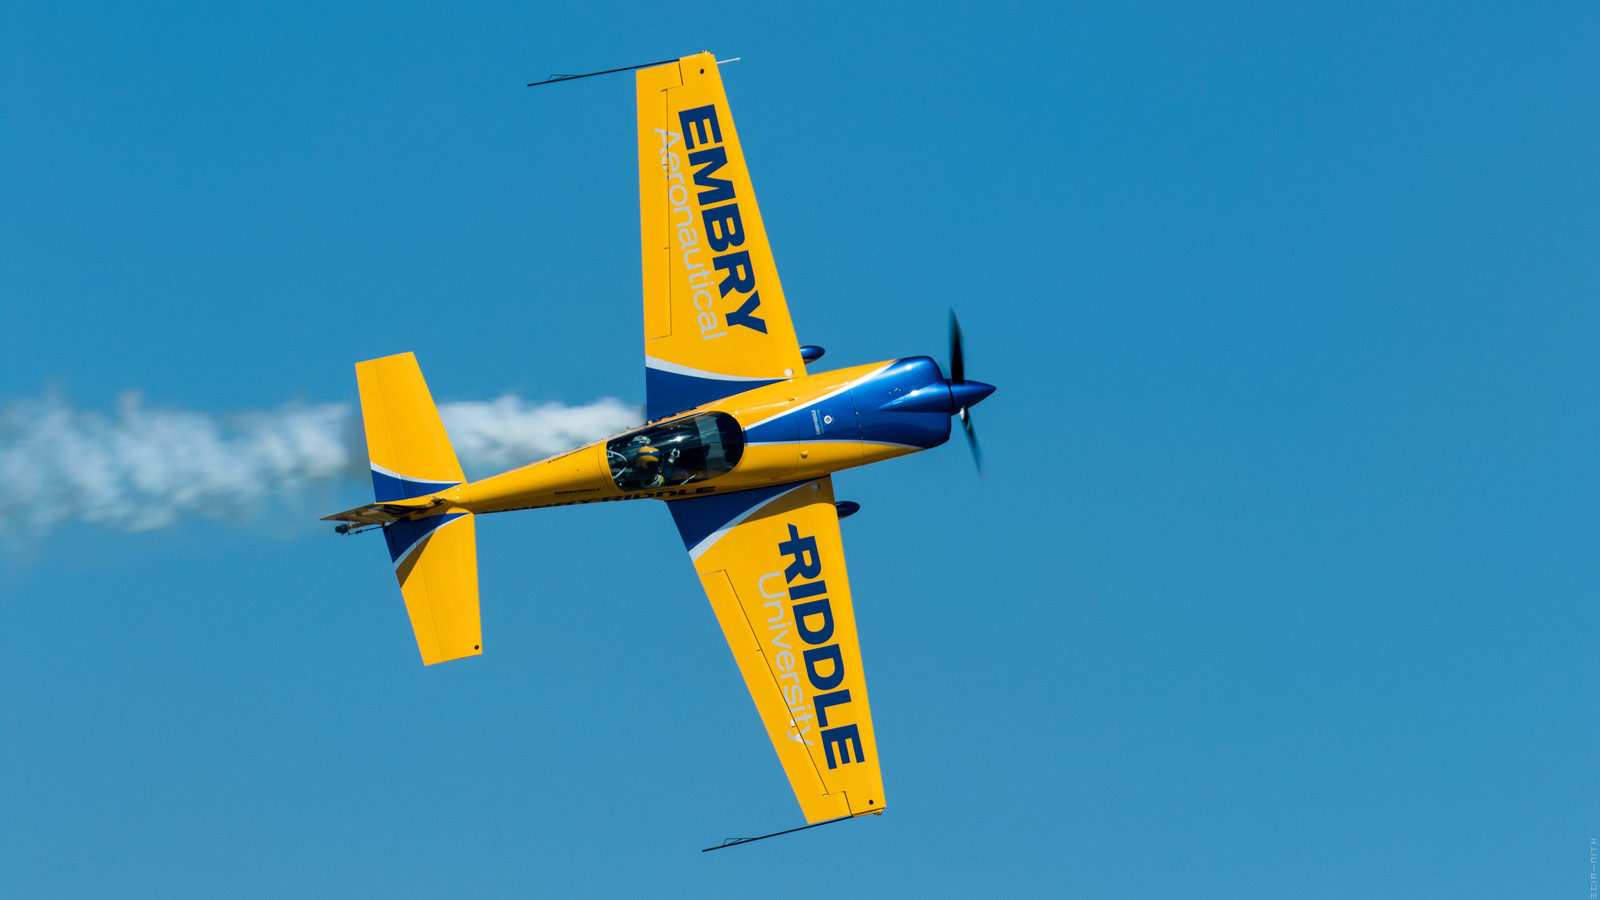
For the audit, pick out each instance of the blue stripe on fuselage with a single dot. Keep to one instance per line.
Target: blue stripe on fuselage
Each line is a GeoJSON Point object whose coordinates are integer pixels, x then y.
{"type": "Point", "coordinates": [829, 419]}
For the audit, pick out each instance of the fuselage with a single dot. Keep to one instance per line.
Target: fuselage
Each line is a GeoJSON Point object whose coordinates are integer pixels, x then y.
{"type": "Point", "coordinates": [792, 430]}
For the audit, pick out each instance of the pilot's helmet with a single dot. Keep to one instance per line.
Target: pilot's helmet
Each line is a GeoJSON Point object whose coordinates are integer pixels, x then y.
{"type": "Point", "coordinates": [648, 457]}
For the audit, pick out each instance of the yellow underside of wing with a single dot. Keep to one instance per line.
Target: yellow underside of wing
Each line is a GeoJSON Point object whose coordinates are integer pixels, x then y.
{"type": "Point", "coordinates": [712, 299]}
{"type": "Point", "coordinates": [809, 688]}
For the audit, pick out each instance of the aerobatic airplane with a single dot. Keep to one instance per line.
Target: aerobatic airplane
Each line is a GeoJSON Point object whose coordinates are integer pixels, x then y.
{"type": "Point", "coordinates": [741, 443]}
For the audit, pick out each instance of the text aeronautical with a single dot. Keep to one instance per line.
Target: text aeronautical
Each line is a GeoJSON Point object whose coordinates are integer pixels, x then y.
{"type": "Point", "coordinates": [816, 612]}
{"type": "Point", "coordinates": [719, 219]}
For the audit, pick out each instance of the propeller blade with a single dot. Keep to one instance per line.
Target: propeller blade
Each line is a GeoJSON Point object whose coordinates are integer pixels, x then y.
{"type": "Point", "coordinates": [958, 369]}
{"type": "Point", "coordinates": [972, 440]}
{"type": "Point", "coordinates": [963, 392]}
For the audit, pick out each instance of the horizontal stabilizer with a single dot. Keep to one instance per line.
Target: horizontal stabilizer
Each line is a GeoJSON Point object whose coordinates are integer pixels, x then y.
{"type": "Point", "coordinates": [436, 560]}
{"type": "Point", "coordinates": [406, 442]}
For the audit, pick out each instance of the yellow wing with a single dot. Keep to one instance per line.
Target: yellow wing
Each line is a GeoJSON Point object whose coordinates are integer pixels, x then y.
{"type": "Point", "coordinates": [772, 564]}
{"type": "Point", "coordinates": [715, 321]}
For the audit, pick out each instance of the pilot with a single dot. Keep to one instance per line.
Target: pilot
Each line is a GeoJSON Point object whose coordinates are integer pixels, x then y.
{"type": "Point", "coordinates": [648, 462]}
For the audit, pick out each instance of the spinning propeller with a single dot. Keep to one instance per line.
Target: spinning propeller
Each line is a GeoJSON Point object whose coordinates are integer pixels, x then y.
{"type": "Point", "coordinates": [965, 394]}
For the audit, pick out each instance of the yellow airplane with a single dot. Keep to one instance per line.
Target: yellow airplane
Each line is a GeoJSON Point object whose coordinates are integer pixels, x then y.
{"type": "Point", "coordinates": [741, 443]}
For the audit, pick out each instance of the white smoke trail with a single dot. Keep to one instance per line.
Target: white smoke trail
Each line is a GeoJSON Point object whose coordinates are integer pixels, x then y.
{"type": "Point", "coordinates": [494, 436]}
{"type": "Point", "coordinates": [141, 469]}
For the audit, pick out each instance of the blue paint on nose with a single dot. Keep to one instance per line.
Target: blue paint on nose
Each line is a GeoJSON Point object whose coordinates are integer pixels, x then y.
{"type": "Point", "coordinates": [968, 394]}
{"type": "Point", "coordinates": [907, 404]}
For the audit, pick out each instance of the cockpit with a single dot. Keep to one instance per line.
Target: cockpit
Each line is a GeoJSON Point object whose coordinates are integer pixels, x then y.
{"type": "Point", "coordinates": [676, 452]}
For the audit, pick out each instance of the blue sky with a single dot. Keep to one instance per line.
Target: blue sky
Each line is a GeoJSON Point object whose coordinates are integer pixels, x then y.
{"type": "Point", "coordinates": [1281, 582]}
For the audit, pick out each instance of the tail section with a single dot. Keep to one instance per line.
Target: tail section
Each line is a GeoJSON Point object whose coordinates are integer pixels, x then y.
{"type": "Point", "coordinates": [433, 545]}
